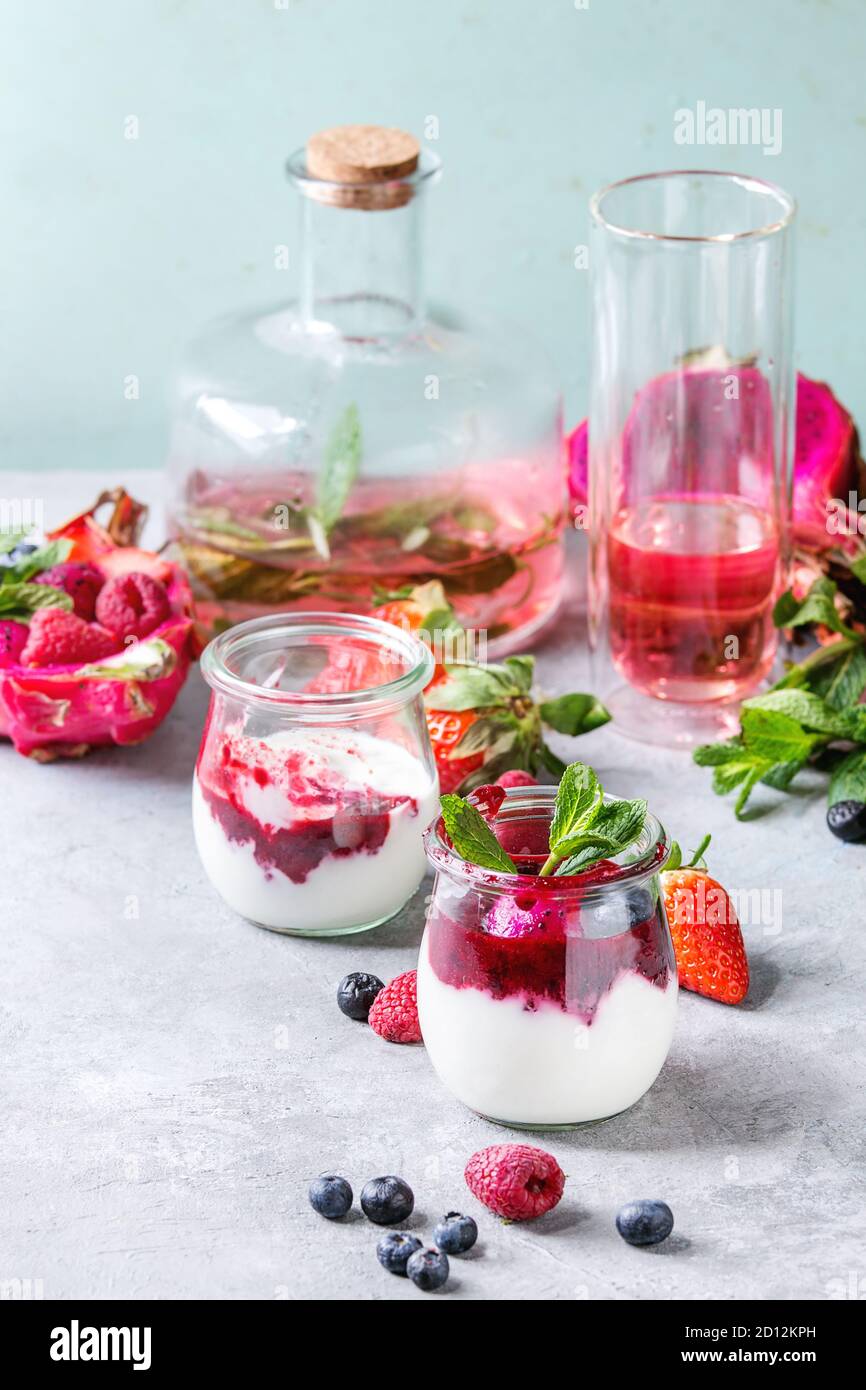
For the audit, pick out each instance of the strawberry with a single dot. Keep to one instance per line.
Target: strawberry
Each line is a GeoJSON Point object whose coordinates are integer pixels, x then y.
{"type": "Point", "coordinates": [394, 1012]}
{"type": "Point", "coordinates": [130, 560]}
{"type": "Point", "coordinates": [708, 943]}
{"type": "Point", "coordinates": [516, 1181]}
{"type": "Point", "coordinates": [446, 734]}
{"type": "Point", "coordinates": [60, 638]}
{"type": "Point", "coordinates": [482, 719]}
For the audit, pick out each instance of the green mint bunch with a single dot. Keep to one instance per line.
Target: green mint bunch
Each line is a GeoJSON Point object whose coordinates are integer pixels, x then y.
{"type": "Point", "coordinates": [584, 829]}
{"type": "Point", "coordinates": [19, 598]}
{"type": "Point", "coordinates": [811, 717]}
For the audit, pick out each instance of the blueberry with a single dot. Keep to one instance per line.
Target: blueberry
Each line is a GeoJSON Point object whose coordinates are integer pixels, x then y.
{"type": "Point", "coordinates": [10, 558]}
{"type": "Point", "coordinates": [330, 1196]}
{"type": "Point", "coordinates": [395, 1248]}
{"type": "Point", "coordinates": [387, 1201]}
{"type": "Point", "coordinates": [428, 1269]}
{"type": "Point", "coordinates": [455, 1234]}
{"type": "Point", "coordinates": [645, 1222]}
{"type": "Point", "coordinates": [847, 820]}
{"type": "Point", "coordinates": [356, 993]}
{"type": "Point", "coordinates": [641, 906]}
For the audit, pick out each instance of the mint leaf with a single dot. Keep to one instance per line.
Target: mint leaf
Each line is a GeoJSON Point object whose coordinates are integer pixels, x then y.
{"type": "Point", "coordinates": [472, 837]}
{"type": "Point", "coordinates": [816, 607]}
{"type": "Point", "coordinates": [616, 825]}
{"type": "Point", "coordinates": [841, 682]}
{"type": "Point", "coordinates": [775, 737]}
{"type": "Point", "coordinates": [18, 602]}
{"type": "Point", "coordinates": [574, 714]}
{"type": "Point", "coordinates": [848, 781]}
{"type": "Point", "coordinates": [857, 566]}
{"type": "Point", "coordinates": [340, 467]}
{"type": "Point", "coordinates": [577, 804]}
{"type": "Point", "coordinates": [807, 709]}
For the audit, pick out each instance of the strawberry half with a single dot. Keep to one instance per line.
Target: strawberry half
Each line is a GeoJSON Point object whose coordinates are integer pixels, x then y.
{"type": "Point", "coordinates": [708, 942]}
{"type": "Point", "coordinates": [482, 719]}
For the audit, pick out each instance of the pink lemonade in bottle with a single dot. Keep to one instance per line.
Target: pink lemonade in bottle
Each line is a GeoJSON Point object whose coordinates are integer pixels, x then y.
{"type": "Point", "coordinates": [692, 582]}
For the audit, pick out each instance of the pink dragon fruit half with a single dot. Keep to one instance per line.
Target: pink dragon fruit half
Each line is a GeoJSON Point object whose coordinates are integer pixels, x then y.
{"type": "Point", "coordinates": [57, 711]}
{"type": "Point", "coordinates": [827, 462]}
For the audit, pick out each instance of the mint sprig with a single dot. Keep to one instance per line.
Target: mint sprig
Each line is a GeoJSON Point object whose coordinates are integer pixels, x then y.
{"type": "Point", "coordinates": [812, 715]}
{"type": "Point", "coordinates": [584, 828]}
{"type": "Point", "coordinates": [340, 467]}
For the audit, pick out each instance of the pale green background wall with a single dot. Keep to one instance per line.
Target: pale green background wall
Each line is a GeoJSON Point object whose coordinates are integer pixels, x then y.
{"type": "Point", "coordinates": [112, 251]}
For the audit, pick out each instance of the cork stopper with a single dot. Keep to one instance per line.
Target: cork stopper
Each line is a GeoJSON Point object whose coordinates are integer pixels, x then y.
{"type": "Point", "coordinates": [369, 162]}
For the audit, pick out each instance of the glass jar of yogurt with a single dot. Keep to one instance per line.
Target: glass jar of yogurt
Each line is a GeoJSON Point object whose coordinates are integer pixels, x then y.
{"type": "Point", "coordinates": [315, 778]}
{"type": "Point", "coordinates": [546, 1003]}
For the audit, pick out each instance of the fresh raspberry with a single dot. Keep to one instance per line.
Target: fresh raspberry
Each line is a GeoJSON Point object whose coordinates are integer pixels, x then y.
{"type": "Point", "coordinates": [487, 800]}
{"type": "Point", "coordinates": [131, 605]}
{"type": "Point", "coordinates": [81, 582]}
{"type": "Point", "coordinates": [13, 638]}
{"type": "Point", "coordinates": [394, 1011]}
{"type": "Point", "coordinates": [517, 778]}
{"type": "Point", "coordinates": [516, 1181]}
{"type": "Point", "coordinates": [59, 638]}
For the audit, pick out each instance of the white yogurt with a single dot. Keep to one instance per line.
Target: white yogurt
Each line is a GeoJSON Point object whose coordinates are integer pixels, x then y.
{"type": "Point", "coordinates": [545, 1067]}
{"type": "Point", "coordinates": [342, 892]}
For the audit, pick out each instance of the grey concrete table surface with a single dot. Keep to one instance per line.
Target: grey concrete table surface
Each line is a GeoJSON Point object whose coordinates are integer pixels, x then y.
{"type": "Point", "coordinates": [173, 1077]}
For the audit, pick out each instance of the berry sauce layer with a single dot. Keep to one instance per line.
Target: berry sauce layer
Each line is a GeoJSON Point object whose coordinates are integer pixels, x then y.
{"type": "Point", "coordinates": [300, 797]}
{"type": "Point", "coordinates": [541, 945]}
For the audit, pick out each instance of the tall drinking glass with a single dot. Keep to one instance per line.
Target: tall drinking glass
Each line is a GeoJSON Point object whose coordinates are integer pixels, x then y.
{"type": "Point", "coordinates": [691, 425]}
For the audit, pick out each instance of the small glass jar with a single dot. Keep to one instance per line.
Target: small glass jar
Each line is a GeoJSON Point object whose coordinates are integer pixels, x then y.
{"type": "Point", "coordinates": [315, 778]}
{"type": "Point", "coordinates": [546, 1003]}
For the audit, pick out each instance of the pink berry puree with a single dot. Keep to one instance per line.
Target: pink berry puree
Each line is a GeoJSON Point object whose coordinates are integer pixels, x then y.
{"type": "Point", "coordinates": [548, 1005]}
{"type": "Point", "coordinates": [312, 830]}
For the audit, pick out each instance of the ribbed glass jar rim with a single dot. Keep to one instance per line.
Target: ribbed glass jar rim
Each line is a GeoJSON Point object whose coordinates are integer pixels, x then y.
{"type": "Point", "coordinates": [243, 640]}
{"type": "Point", "coordinates": [786, 205]}
{"type": "Point", "coordinates": [525, 803]}
{"type": "Point", "coordinates": [329, 191]}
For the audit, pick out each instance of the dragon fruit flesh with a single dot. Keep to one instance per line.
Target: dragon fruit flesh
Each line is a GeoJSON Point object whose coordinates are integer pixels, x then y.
{"type": "Point", "coordinates": [827, 463]}
{"type": "Point", "coordinates": [62, 711]}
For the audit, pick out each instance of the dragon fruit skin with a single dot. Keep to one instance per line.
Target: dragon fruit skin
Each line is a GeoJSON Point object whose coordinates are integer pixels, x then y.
{"type": "Point", "coordinates": [63, 711]}
{"type": "Point", "coordinates": [578, 467]}
{"type": "Point", "coordinates": [827, 461]}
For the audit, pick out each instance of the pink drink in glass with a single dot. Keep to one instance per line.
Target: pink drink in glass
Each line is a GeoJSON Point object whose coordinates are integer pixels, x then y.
{"type": "Point", "coordinates": [692, 581]}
